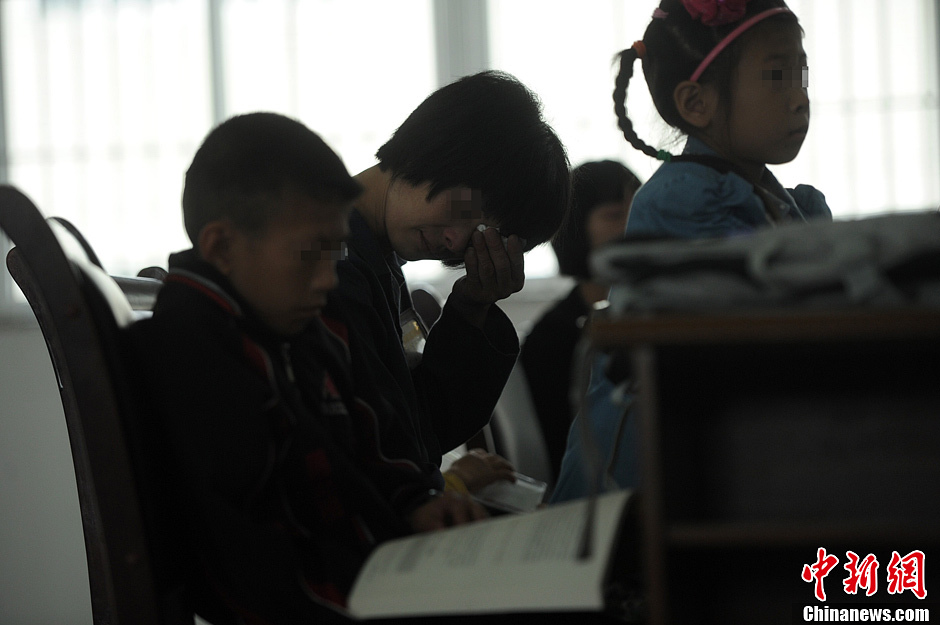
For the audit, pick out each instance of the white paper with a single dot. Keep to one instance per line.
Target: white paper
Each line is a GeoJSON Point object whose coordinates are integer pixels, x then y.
{"type": "Point", "coordinates": [523, 495]}
{"type": "Point", "coordinates": [508, 564]}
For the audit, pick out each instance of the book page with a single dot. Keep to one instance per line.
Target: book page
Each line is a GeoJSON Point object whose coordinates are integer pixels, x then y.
{"type": "Point", "coordinates": [523, 495]}
{"type": "Point", "coordinates": [511, 563]}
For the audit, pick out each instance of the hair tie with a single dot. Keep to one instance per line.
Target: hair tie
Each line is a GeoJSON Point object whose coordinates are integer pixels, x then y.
{"type": "Point", "coordinates": [659, 14]}
{"type": "Point", "coordinates": [716, 12]}
{"type": "Point", "coordinates": [664, 156]}
{"type": "Point", "coordinates": [640, 48]}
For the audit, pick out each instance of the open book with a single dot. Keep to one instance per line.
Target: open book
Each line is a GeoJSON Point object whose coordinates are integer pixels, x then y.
{"type": "Point", "coordinates": [516, 563]}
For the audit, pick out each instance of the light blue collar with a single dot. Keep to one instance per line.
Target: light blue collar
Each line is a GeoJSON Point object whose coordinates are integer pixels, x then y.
{"type": "Point", "coordinates": [768, 181]}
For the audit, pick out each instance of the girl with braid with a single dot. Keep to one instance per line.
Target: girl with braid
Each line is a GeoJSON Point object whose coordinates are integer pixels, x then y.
{"type": "Point", "coordinates": [732, 75]}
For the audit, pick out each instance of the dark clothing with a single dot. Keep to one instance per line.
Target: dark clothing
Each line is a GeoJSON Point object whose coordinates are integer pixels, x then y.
{"type": "Point", "coordinates": [547, 355]}
{"type": "Point", "coordinates": [447, 398]}
{"type": "Point", "coordinates": [275, 463]}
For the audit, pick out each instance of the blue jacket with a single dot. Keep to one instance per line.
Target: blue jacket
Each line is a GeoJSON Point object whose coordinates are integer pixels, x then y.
{"type": "Point", "coordinates": [684, 200]}
{"type": "Point", "coordinates": [692, 200]}
{"type": "Point", "coordinates": [611, 424]}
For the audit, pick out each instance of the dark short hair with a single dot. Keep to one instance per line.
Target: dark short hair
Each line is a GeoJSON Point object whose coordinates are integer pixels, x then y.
{"type": "Point", "coordinates": [486, 132]}
{"type": "Point", "coordinates": [248, 159]}
{"type": "Point", "coordinates": [592, 184]}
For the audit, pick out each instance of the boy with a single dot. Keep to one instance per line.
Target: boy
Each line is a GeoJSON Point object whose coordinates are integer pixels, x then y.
{"type": "Point", "coordinates": [475, 153]}
{"type": "Point", "coordinates": [274, 465]}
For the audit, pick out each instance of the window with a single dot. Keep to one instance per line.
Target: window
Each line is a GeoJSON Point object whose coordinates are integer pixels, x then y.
{"type": "Point", "coordinates": [105, 101]}
{"type": "Point", "coordinates": [874, 141]}
{"type": "Point", "coordinates": [565, 52]}
{"type": "Point", "coordinates": [351, 71]}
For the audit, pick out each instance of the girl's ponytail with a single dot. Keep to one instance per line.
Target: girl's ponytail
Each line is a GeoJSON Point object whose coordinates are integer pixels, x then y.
{"type": "Point", "coordinates": [627, 59]}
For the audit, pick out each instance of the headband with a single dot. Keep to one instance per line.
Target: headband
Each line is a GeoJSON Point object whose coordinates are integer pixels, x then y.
{"type": "Point", "coordinates": [734, 34]}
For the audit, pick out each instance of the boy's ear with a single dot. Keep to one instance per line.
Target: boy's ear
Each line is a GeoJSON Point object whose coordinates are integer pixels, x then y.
{"type": "Point", "coordinates": [696, 103]}
{"type": "Point", "coordinates": [215, 244]}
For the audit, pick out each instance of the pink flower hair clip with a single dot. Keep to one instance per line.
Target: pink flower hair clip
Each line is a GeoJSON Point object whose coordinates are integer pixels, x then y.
{"type": "Point", "coordinates": [716, 12]}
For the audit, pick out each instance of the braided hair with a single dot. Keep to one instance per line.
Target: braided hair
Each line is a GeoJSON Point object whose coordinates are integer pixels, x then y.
{"type": "Point", "coordinates": [627, 59]}
{"type": "Point", "coordinates": [672, 47]}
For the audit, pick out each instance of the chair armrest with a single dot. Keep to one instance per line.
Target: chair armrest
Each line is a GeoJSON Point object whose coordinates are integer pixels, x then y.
{"type": "Point", "coordinates": [140, 292]}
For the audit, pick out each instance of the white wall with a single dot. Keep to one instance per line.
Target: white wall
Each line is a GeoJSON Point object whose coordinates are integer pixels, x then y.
{"type": "Point", "coordinates": [43, 577]}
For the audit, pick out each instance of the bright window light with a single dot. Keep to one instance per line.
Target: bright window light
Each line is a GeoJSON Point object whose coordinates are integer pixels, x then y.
{"type": "Point", "coordinates": [107, 100]}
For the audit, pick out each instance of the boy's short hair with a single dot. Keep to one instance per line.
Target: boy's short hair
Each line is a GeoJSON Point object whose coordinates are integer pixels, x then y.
{"type": "Point", "coordinates": [486, 132]}
{"type": "Point", "coordinates": [592, 184]}
{"type": "Point", "coordinates": [248, 159]}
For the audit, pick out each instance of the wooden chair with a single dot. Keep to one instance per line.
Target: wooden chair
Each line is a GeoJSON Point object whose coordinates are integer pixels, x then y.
{"type": "Point", "coordinates": [133, 576]}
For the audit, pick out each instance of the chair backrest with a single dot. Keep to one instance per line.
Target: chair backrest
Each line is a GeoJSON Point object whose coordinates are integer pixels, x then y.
{"type": "Point", "coordinates": [80, 309]}
{"type": "Point", "coordinates": [427, 301]}
{"type": "Point", "coordinates": [517, 432]}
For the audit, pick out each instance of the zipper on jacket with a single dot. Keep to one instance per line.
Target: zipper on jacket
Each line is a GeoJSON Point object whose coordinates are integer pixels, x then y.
{"type": "Point", "coordinates": [288, 367]}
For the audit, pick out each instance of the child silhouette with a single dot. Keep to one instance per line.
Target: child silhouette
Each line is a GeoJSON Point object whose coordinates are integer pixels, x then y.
{"type": "Point", "coordinates": [733, 76]}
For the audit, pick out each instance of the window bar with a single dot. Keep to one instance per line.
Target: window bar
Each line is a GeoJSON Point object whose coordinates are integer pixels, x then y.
{"type": "Point", "coordinates": [887, 114]}
{"type": "Point", "coordinates": [936, 57]}
{"type": "Point", "coordinates": [293, 73]}
{"type": "Point", "coordinates": [460, 38]}
{"type": "Point", "coordinates": [850, 111]}
{"type": "Point", "coordinates": [6, 283]}
{"type": "Point", "coordinates": [4, 174]}
{"type": "Point", "coordinates": [217, 61]}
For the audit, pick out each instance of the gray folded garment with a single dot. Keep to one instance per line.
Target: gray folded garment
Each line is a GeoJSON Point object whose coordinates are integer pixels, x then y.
{"type": "Point", "coordinates": [884, 261]}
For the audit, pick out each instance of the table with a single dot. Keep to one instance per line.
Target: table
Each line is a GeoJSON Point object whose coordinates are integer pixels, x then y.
{"type": "Point", "coordinates": [768, 435]}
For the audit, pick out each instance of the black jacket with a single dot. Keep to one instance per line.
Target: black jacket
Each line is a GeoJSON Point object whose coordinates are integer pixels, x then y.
{"type": "Point", "coordinates": [547, 356]}
{"type": "Point", "coordinates": [451, 394]}
{"type": "Point", "coordinates": [275, 464]}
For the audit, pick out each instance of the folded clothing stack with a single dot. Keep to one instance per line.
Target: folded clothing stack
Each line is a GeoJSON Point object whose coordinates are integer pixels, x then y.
{"type": "Point", "coordinates": [884, 261]}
